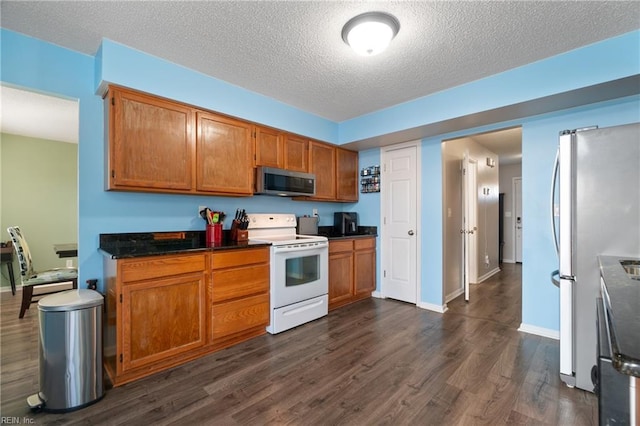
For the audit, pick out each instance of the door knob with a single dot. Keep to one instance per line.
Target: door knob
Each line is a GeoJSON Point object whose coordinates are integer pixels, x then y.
{"type": "Point", "coordinates": [410, 232]}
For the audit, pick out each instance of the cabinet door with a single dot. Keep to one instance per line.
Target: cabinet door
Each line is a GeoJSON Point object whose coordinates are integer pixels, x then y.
{"type": "Point", "coordinates": [269, 148]}
{"type": "Point", "coordinates": [322, 162]}
{"type": "Point", "coordinates": [340, 278]}
{"type": "Point", "coordinates": [224, 162]}
{"type": "Point", "coordinates": [365, 271]}
{"type": "Point", "coordinates": [162, 318]}
{"type": "Point", "coordinates": [347, 175]}
{"type": "Point", "coordinates": [151, 142]}
{"type": "Point", "coordinates": [296, 153]}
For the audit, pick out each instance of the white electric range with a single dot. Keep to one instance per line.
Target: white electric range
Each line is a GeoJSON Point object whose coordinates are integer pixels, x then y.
{"type": "Point", "coordinates": [299, 270]}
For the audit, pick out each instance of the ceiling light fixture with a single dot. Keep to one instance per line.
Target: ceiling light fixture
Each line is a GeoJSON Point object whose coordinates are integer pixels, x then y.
{"type": "Point", "coordinates": [370, 33]}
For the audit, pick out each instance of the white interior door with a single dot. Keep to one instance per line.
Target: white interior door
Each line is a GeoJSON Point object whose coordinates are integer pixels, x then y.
{"type": "Point", "coordinates": [469, 226]}
{"type": "Point", "coordinates": [400, 233]}
{"type": "Point", "coordinates": [517, 208]}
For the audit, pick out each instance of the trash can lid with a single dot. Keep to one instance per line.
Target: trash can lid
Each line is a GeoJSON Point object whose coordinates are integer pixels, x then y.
{"type": "Point", "coordinates": [71, 300]}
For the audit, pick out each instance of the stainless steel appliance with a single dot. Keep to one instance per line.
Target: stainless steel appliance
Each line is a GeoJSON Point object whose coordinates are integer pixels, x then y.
{"type": "Point", "coordinates": [285, 183]}
{"type": "Point", "coordinates": [598, 173]}
{"type": "Point", "coordinates": [299, 271]}
{"type": "Point", "coordinates": [612, 386]}
{"type": "Point", "coordinates": [345, 223]}
{"type": "Point", "coordinates": [308, 225]}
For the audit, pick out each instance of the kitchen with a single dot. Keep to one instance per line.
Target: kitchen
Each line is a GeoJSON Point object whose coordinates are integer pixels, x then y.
{"type": "Point", "coordinates": [105, 212]}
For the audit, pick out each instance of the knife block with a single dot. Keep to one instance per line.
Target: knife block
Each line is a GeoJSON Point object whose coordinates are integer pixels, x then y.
{"type": "Point", "coordinates": [237, 234]}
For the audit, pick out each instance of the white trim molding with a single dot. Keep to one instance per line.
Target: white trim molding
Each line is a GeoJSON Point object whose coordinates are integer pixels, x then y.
{"type": "Point", "coordinates": [453, 295]}
{"type": "Point", "coordinates": [377, 294]}
{"type": "Point", "coordinates": [488, 275]}
{"type": "Point", "coordinates": [539, 331]}
{"type": "Point", "coordinates": [441, 309]}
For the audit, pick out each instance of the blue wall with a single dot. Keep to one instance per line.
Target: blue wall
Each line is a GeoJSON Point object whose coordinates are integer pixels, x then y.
{"type": "Point", "coordinates": [40, 66]}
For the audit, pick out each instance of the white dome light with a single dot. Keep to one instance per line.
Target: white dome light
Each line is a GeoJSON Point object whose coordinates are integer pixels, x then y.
{"type": "Point", "coordinates": [370, 33]}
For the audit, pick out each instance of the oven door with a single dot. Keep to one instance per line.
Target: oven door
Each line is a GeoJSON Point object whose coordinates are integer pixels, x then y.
{"type": "Point", "coordinates": [299, 272]}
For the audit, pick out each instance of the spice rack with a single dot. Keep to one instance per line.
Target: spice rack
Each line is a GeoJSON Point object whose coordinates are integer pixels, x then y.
{"type": "Point", "coordinates": [370, 179]}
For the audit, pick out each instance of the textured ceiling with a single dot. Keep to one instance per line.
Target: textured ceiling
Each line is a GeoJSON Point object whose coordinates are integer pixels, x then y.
{"type": "Point", "coordinates": [292, 51]}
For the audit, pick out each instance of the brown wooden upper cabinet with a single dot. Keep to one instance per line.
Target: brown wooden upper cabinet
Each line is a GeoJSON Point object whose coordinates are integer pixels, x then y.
{"type": "Point", "coordinates": [269, 147]}
{"type": "Point", "coordinates": [281, 150]}
{"type": "Point", "coordinates": [336, 171]}
{"type": "Point", "coordinates": [224, 155]}
{"type": "Point", "coordinates": [150, 142]}
{"type": "Point", "coordinates": [296, 153]}
{"type": "Point", "coordinates": [159, 145]}
{"type": "Point", "coordinates": [322, 163]}
{"type": "Point", "coordinates": [346, 175]}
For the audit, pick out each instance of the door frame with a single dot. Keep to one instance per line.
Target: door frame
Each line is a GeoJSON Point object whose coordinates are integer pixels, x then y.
{"type": "Point", "coordinates": [384, 256]}
{"type": "Point", "coordinates": [469, 270]}
{"type": "Point", "coordinates": [514, 218]}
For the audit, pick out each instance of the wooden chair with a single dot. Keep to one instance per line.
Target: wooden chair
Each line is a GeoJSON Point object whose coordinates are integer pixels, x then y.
{"type": "Point", "coordinates": [31, 278]}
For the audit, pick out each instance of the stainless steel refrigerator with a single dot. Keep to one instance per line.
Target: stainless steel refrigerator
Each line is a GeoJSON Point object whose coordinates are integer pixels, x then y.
{"type": "Point", "coordinates": [598, 177]}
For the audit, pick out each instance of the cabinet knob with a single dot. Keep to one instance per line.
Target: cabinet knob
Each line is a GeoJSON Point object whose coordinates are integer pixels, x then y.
{"type": "Point", "coordinates": [410, 232]}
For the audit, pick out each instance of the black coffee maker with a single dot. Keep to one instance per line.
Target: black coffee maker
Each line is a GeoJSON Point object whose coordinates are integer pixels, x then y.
{"type": "Point", "coordinates": [345, 223]}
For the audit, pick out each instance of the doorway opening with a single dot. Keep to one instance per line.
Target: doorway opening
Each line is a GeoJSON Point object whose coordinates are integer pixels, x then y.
{"type": "Point", "coordinates": [39, 171]}
{"type": "Point", "coordinates": [478, 172]}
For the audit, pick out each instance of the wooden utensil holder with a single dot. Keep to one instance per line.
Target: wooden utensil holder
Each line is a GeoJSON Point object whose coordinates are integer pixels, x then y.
{"type": "Point", "coordinates": [238, 234]}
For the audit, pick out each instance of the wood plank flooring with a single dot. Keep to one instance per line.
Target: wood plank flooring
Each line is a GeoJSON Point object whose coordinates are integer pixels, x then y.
{"type": "Point", "coordinates": [375, 362]}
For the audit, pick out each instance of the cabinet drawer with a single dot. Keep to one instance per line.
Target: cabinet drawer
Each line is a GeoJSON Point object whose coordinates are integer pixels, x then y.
{"type": "Point", "coordinates": [233, 258]}
{"type": "Point", "coordinates": [161, 266]}
{"type": "Point", "coordinates": [239, 315]}
{"type": "Point", "coordinates": [341, 245]}
{"type": "Point", "coordinates": [238, 282]}
{"type": "Point", "coordinates": [364, 243]}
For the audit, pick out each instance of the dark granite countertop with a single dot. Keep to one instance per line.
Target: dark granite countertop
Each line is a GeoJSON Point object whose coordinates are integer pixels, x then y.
{"type": "Point", "coordinates": [622, 308]}
{"type": "Point", "coordinates": [363, 232]}
{"type": "Point", "coordinates": [129, 245]}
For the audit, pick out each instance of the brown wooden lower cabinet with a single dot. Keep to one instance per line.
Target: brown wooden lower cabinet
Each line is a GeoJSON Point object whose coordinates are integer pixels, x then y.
{"type": "Point", "coordinates": [162, 311]}
{"type": "Point", "coordinates": [239, 295]}
{"type": "Point", "coordinates": [352, 270]}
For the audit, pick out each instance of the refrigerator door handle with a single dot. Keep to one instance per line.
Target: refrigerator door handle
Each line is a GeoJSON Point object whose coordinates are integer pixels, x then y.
{"type": "Point", "coordinates": [554, 180]}
{"type": "Point", "coordinates": [555, 282]}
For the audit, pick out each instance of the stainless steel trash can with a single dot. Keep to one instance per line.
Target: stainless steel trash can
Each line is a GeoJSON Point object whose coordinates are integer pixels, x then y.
{"type": "Point", "coordinates": [70, 351]}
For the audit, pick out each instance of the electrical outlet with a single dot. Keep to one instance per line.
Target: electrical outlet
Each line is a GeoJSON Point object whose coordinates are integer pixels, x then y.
{"type": "Point", "coordinates": [315, 212]}
{"type": "Point", "coordinates": [486, 259]}
{"type": "Point", "coordinates": [69, 263]}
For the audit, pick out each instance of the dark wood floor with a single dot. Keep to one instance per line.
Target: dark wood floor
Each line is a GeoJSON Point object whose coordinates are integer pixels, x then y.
{"type": "Point", "coordinates": [376, 362]}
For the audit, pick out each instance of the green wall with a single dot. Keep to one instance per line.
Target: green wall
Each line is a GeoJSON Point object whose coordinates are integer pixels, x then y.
{"type": "Point", "coordinates": [39, 194]}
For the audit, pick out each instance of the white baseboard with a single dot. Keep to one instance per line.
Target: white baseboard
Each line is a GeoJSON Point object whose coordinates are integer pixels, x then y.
{"type": "Point", "coordinates": [441, 309]}
{"type": "Point", "coordinates": [539, 331]}
{"type": "Point", "coordinates": [488, 275]}
{"type": "Point", "coordinates": [453, 295]}
{"type": "Point", "coordinates": [4, 289]}
{"type": "Point", "coordinates": [423, 305]}
{"type": "Point", "coordinates": [508, 261]}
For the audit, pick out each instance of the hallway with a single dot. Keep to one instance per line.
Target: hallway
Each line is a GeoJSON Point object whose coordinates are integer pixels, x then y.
{"type": "Point", "coordinates": [498, 299]}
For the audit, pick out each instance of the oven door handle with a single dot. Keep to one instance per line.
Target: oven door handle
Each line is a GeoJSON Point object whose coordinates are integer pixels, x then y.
{"type": "Point", "coordinates": [300, 248]}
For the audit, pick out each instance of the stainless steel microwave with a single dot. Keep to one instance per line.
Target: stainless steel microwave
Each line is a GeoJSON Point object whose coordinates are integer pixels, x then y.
{"type": "Point", "coordinates": [285, 183]}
